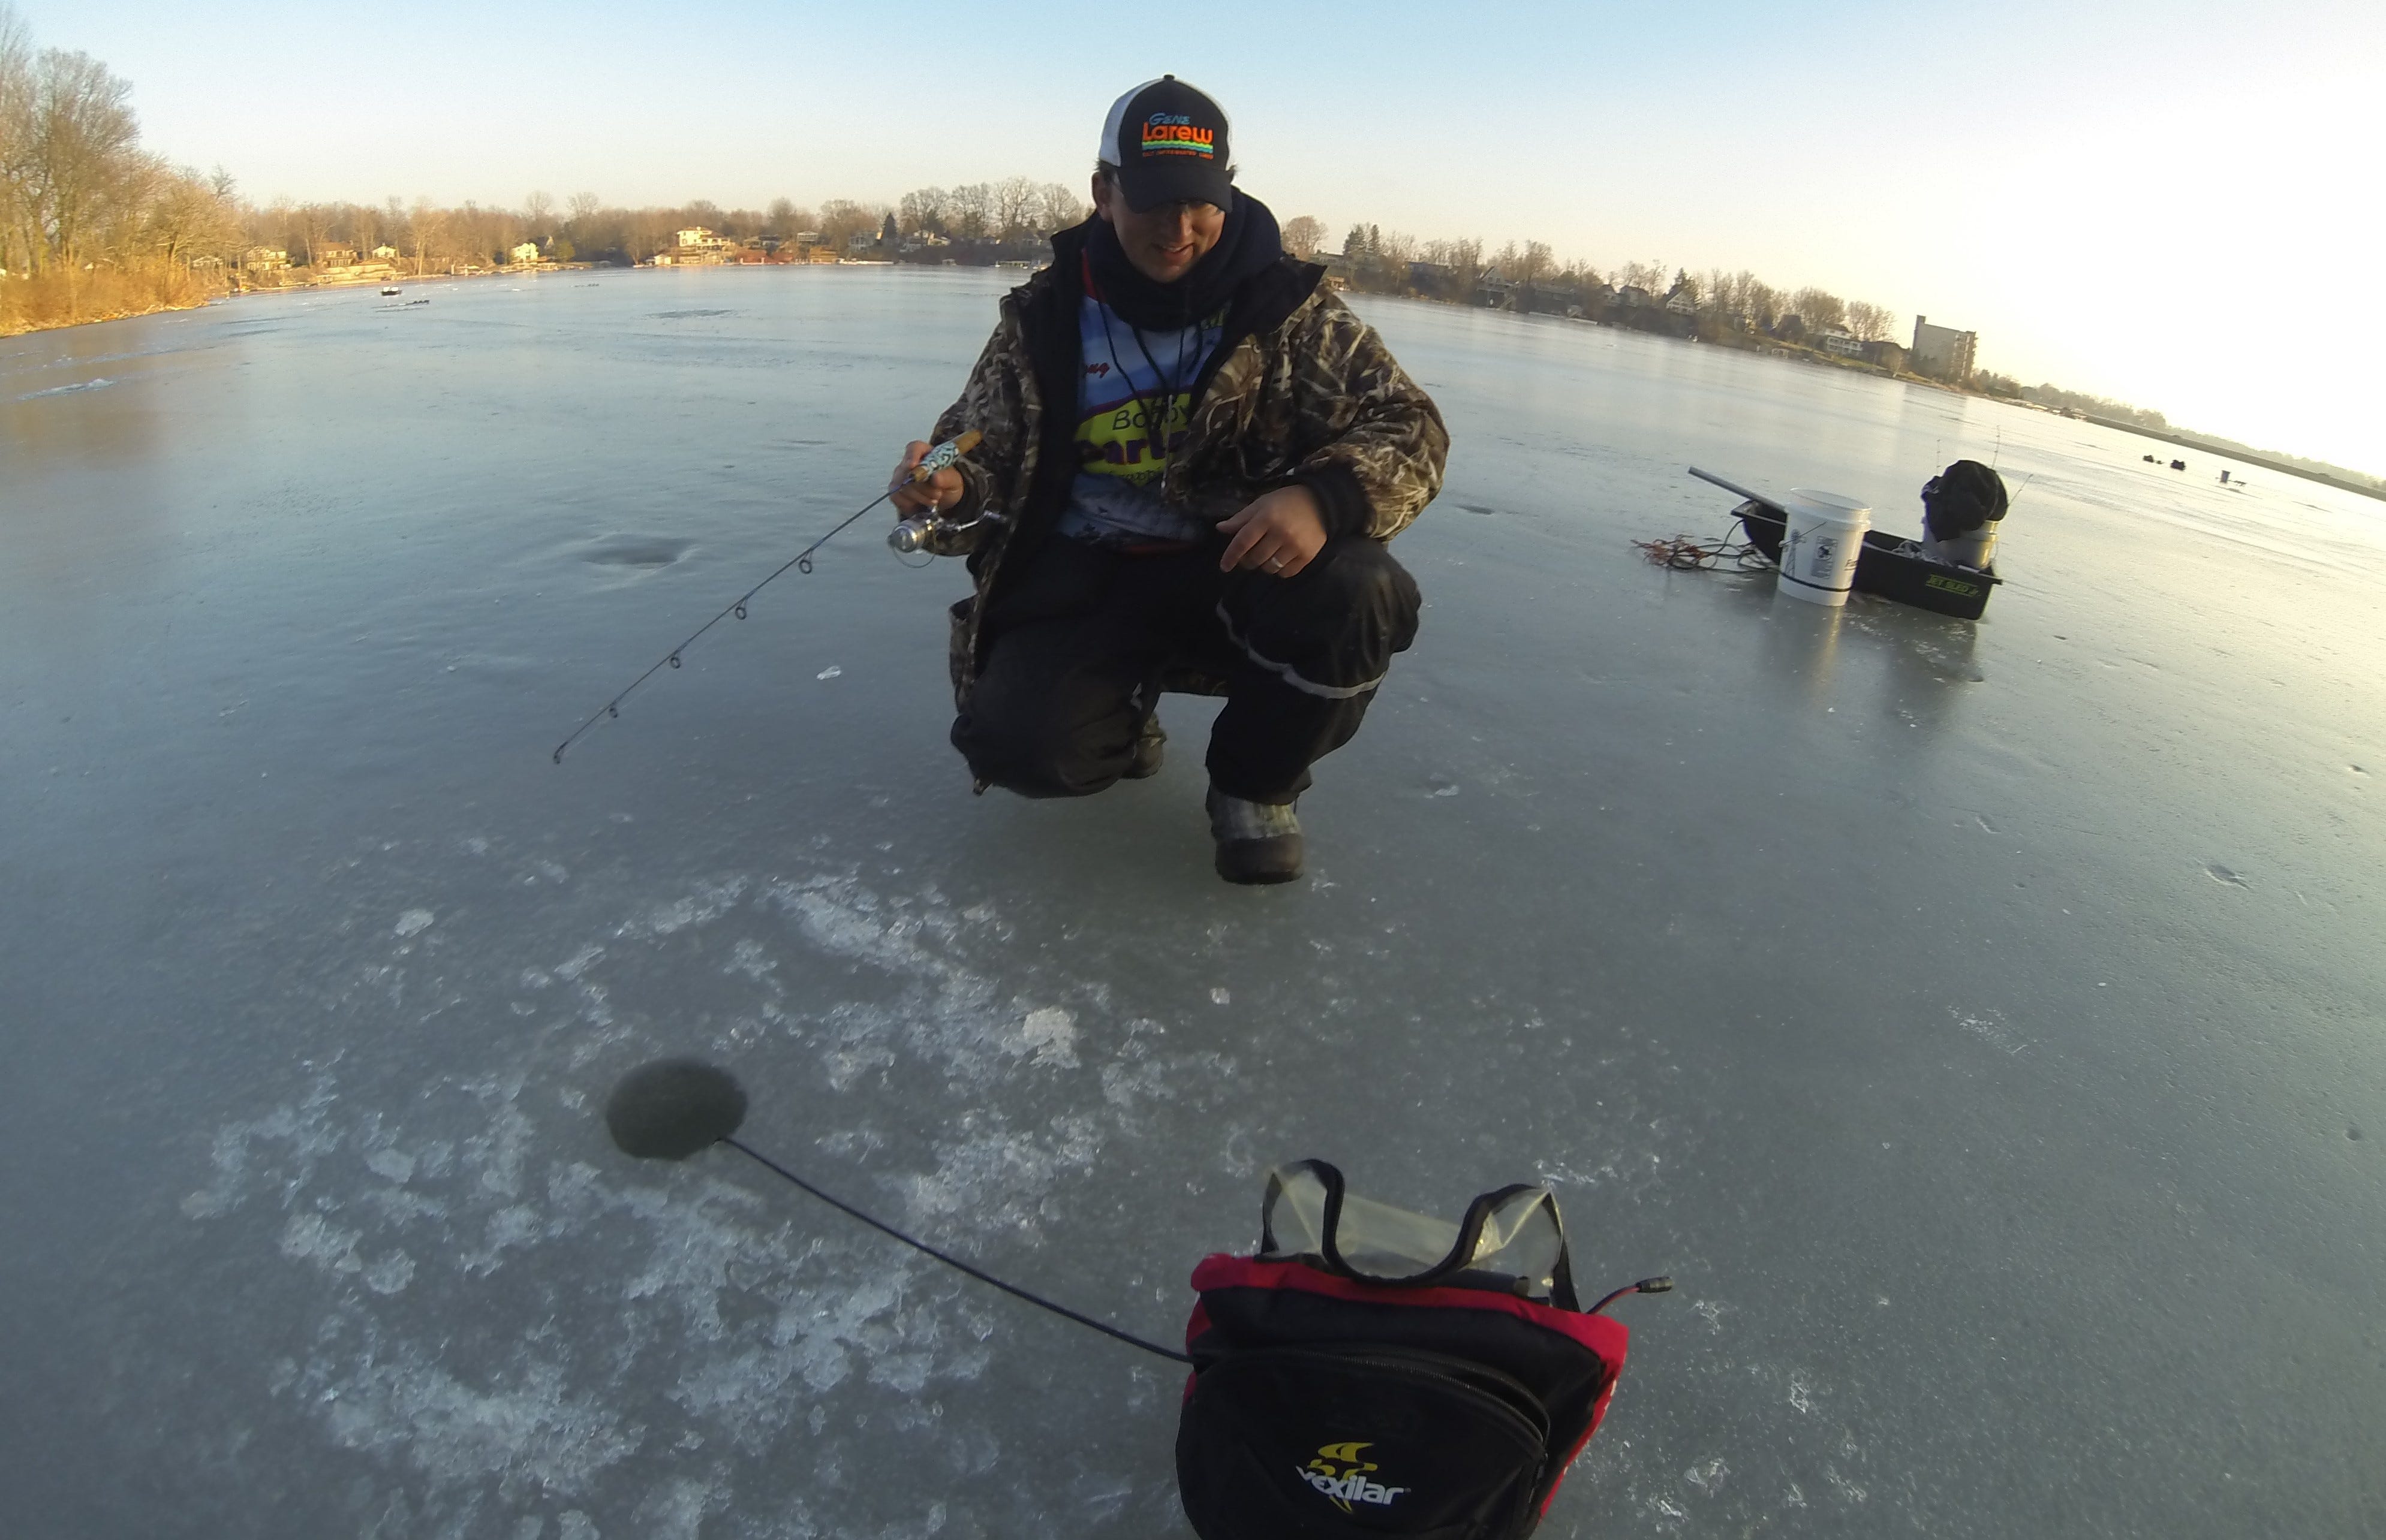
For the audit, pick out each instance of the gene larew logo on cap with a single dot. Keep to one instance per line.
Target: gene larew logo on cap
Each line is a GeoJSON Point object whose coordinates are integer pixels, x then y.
{"type": "Point", "coordinates": [1174, 133]}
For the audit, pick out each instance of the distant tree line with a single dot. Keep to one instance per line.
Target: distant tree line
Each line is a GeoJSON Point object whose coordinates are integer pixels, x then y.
{"type": "Point", "coordinates": [1714, 306]}
{"type": "Point", "coordinates": [1007, 220]}
{"type": "Point", "coordinates": [978, 224]}
{"type": "Point", "coordinates": [2074, 401]}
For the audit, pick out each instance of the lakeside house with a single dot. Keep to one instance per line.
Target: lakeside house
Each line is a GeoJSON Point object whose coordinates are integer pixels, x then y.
{"type": "Point", "coordinates": [697, 246]}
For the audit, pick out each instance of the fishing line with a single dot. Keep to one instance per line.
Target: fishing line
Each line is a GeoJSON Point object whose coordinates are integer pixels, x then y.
{"type": "Point", "coordinates": [935, 459]}
{"type": "Point", "coordinates": [1689, 553]}
{"type": "Point", "coordinates": [954, 1262]}
{"type": "Point", "coordinates": [672, 1109]}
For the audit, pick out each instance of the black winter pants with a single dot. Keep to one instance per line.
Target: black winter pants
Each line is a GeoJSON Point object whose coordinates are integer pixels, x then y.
{"type": "Point", "coordinates": [1077, 644]}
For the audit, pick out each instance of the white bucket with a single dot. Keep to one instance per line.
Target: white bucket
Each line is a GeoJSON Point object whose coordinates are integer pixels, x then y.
{"type": "Point", "coordinates": [1819, 544]}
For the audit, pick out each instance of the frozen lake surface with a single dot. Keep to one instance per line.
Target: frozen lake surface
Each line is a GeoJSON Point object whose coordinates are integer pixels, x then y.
{"type": "Point", "coordinates": [1982, 1023]}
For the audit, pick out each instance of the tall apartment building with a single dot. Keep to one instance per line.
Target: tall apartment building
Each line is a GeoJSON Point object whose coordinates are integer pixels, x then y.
{"type": "Point", "coordinates": [1942, 352]}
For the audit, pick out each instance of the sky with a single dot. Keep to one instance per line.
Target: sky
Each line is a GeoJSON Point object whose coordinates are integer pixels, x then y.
{"type": "Point", "coordinates": [2171, 204]}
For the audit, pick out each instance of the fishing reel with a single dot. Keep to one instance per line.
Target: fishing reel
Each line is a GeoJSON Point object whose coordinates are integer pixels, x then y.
{"type": "Point", "coordinates": [922, 530]}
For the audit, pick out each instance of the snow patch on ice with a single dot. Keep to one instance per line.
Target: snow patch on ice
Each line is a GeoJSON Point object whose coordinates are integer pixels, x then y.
{"type": "Point", "coordinates": [68, 390]}
{"type": "Point", "coordinates": [399, 1404]}
{"type": "Point", "coordinates": [390, 1275]}
{"type": "Point", "coordinates": [414, 921]}
{"type": "Point", "coordinates": [303, 1128]}
{"type": "Point", "coordinates": [1990, 1027]}
{"type": "Point", "coordinates": [1049, 1034]}
{"type": "Point", "coordinates": [676, 1509]}
{"type": "Point", "coordinates": [438, 1233]}
{"type": "Point", "coordinates": [708, 903]}
{"type": "Point", "coordinates": [312, 1238]}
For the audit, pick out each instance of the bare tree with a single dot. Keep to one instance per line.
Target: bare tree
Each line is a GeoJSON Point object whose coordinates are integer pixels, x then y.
{"type": "Point", "coordinates": [429, 231]}
{"type": "Point", "coordinates": [1819, 309]}
{"type": "Point", "coordinates": [538, 214]}
{"type": "Point", "coordinates": [18, 237]}
{"type": "Point", "coordinates": [1303, 234]}
{"type": "Point", "coordinates": [970, 211]}
{"type": "Point", "coordinates": [79, 155]}
{"type": "Point", "coordinates": [787, 219]}
{"type": "Point", "coordinates": [1871, 323]}
{"type": "Point", "coordinates": [1534, 263]}
{"type": "Point", "coordinates": [1648, 277]}
{"type": "Point", "coordinates": [186, 218]}
{"type": "Point", "coordinates": [842, 219]}
{"type": "Point", "coordinates": [644, 232]}
{"type": "Point", "coordinates": [922, 212]}
{"type": "Point", "coordinates": [1059, 207]}
{"type": "Point", "coordinates": [1014, 198]}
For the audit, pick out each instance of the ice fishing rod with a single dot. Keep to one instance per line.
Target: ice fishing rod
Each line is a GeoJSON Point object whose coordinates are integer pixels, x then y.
{"type": "Point", "coordinates": [941, 457]}
{"type": "Point", "coordinates": [1757, 497]}
{"type": "Point", "coordinates": [674, 1107]}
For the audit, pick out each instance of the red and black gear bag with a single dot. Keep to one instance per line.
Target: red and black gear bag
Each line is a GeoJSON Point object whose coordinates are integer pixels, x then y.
{"type": "Point", "coordinates": [1328, 1401]}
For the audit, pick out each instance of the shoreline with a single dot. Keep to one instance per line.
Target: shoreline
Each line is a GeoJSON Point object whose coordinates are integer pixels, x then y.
{"type": "Point", "coordinates": [161, 308]}
{"type": "Point", "coordinates": [225, 295]}
{"type": "Point", "coordinates": [2266, 460]}
{"type": "Point", "coordinates": [2250, 456]}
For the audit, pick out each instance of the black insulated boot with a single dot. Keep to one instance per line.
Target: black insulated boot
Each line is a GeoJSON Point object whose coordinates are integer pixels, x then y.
{"type": "Point", "coordinates": [1258, 842]}
{"type": "Point", "coordinates": [1151, 747]}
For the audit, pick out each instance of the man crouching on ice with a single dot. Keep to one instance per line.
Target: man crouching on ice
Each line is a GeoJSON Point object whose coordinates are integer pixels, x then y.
{"type": "Point", "coordinates": [1194, 454]}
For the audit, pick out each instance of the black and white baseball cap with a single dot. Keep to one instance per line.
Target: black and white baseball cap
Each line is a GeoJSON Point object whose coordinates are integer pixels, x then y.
{"type": "Point", "coordinates": [1169, 144]}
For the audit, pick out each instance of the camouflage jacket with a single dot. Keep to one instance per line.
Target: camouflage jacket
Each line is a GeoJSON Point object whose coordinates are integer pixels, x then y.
{"type": "Point", "coordinates": [1298, 390]}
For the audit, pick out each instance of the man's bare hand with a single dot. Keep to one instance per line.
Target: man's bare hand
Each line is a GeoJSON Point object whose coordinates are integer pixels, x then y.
{"type": "Point", "coordinates": [1278, 533]}
{"type": "Point", "coordinates": [939, 493]}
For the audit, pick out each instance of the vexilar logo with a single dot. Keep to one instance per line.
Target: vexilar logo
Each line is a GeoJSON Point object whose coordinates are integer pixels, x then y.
{"type": "Point", "coordinates": [1341, 1475]}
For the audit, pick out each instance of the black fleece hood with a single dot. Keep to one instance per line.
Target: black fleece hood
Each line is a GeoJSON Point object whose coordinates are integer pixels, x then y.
{"type": "Point", "coordinates": [1251, 244]}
